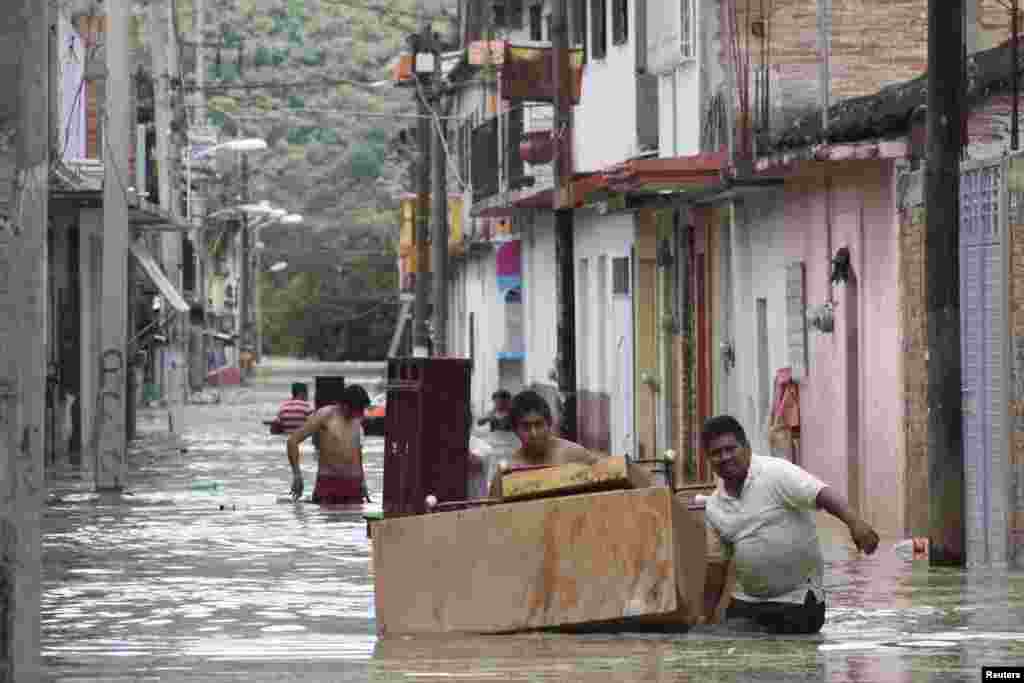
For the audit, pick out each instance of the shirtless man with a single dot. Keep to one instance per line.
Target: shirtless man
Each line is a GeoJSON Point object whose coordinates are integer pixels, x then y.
{"type": "Point", "coordinates": [531, 419]}
{"type": "Point", "coordinates": [340, 477]}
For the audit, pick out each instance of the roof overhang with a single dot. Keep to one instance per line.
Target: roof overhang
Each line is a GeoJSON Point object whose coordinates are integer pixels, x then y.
{"type": "Point", "coordinates": [866, 150]}
{"type": "Point", "coordinates": [149, 264]}
{"type": "Point", "coordinates": [142, 215]}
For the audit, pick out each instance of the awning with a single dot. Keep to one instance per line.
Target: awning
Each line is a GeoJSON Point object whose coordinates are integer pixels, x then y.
{"type": "Point", "coordinates": [630, 179]}
{"type": "Point", "coordinates": [146, 215]}
{"type": "Point", "coordinates": [167, 289]}
{"type": "Point", "coordinates": [672, 174]}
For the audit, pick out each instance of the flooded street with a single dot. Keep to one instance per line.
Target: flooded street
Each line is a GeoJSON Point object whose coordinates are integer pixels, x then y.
{"type": "Point", "coordinates": [203, 570]}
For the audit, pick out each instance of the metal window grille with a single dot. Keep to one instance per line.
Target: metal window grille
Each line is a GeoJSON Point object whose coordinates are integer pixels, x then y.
{"type": "Point", "coordinates": [598, 28]}
{"type": "Point", "coordinates": [536, 22]}
{"type": "Point", "coordinates": [620, 22]}
{"type": "Point", "coordinates": [687, 36]}
{"type": "Point", "coordinates": [620, 275]}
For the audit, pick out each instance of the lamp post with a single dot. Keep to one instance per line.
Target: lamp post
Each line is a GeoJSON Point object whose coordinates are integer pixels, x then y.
{"type": "Point", "coordinates": [277, 216]}
{"type": "Point", "coordinates": [242, 146]}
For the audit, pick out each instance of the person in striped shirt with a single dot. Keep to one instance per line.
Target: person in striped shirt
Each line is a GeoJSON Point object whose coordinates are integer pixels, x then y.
{"type": "Point", "coordinates": [295, 411]}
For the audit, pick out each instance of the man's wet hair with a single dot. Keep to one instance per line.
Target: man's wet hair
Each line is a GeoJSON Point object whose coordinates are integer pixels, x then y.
{"type": "Point", "coordinates": [501, 394]}
{"type": "Point", "coordinates": [355, 397]}
{"type": "Point", "coordinates": [721, 425]}
{"type": "Point", "coordinates": [529, 401]}
{"type": "Point", "coordinates": [299, 389]}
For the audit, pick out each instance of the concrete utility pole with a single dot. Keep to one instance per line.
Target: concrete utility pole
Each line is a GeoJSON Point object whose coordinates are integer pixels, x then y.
{"type": "Point", "coordinates": [942, 241]}
{"type": "Point", "coordinates": [165, 68]}
{"type": "Point", "coordinates": [244, 283]}
{"type": "Point", "coordinates": [110, 456]}
{"type": "Point", "coordinates": [197, 363]}
{"type": "Point", "coordinates": [564, 203]}
{"type": "Point", "coordinates": [439, 229]}
{"type": "Point", "coordinates": [23, 295]}
{"type": "Point", "coordinates": [421, 337]}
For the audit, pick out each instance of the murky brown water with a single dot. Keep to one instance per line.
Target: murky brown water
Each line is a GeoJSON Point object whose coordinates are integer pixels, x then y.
{"type": "Point", "coordinates": [183, 580]}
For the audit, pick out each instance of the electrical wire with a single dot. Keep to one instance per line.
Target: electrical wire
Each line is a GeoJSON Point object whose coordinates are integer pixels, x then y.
{"type": "Point", "coordinates": [113, 159]}
{"type": "Point", "coordinates": [440, 134]}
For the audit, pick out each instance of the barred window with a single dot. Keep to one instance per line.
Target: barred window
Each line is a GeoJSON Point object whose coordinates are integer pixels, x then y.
{"type": "Point", "coordinates": [598, 29]}
{"type": "Point", "coordinates": [620, 22]}
{"type": "Point", "coordinates": [687, 37]}
{"type": "Point", "coordinates": [620, 275]}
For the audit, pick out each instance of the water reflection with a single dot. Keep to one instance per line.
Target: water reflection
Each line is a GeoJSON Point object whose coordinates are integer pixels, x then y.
{"type": "Point", "coordinates": [200, 572]}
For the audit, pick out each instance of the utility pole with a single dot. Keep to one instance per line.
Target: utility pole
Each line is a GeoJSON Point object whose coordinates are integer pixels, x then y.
{"type": "Point", "coordinates": [197, 363]}
{"type": "Point", "coordinates": [244, 293]}
{"type": "Point", "coordinates": [23, 294]}
{"type": "Point", "coordinates": [258, 300]}
{"type": "Point", "coordinates": [564, 203]}
{"type": "Point", "coordinates": [421, 336]}
{"type": "Point", "coordinates": [439, 230]}
{"type": "Point", "coordinates": [165, 67]}
{"type": "Point", "coordinates": [942, 241]}
{"type": "Point", "coordinates": [110, 456]}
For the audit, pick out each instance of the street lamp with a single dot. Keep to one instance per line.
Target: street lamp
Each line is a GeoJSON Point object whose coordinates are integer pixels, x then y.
{"type": "Point", "coordinates": [240, 145]}
{"type": "Point", "coordinates": [271, 215]}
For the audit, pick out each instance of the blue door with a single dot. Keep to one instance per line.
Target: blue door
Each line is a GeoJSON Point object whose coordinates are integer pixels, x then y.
{"type": "Point", "coordinates": [982, 319]}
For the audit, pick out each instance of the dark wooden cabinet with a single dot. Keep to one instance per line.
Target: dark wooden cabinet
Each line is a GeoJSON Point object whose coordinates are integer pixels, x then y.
{"type": "Point", "coordinates": [426, 447]}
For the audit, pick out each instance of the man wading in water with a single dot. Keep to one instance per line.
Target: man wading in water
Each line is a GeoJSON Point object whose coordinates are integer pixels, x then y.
{"type": "Point", "coordinates": [340, 479]}
{"type": "Point", "coordinates": [761, 516]}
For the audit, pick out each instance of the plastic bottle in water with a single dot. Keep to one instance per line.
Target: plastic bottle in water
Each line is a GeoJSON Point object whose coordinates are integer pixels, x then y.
{"type": "Point", "coordinates": [208, 486]}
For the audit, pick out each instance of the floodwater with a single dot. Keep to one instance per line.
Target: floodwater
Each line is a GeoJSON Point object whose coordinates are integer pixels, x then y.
{"type": "Point", "coordinates": [204, 571]}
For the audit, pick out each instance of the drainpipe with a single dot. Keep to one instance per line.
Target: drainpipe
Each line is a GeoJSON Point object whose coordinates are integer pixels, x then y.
{"type": "Point", "coordinates": [564, 224]}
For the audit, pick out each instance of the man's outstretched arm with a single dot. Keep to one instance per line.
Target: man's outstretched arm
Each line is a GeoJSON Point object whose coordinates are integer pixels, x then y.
{"type": "Point", "coordinates": [863, 535]}
{"type": "Point", "coordinates": [311, 426]}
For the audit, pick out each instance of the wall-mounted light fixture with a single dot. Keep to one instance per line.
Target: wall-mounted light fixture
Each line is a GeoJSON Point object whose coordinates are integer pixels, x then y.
{"type": "Point", "coordinates": [841, 267]}
{"type": "Point", "coordinates": [665, 258]}
{"type": "Point", "coordinates": [728, 355]}
{"type": "Point", "coordinates": [822, 318]}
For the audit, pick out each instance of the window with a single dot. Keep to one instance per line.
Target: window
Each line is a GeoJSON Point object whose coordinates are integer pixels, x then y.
{"type": "Point", "coordinates": [579, 23]}
{"type": "Point", "coordinates": [687, 39]}
{"type": "Point", "coordinates": [536, 22]}
{"type": "Point", "coordinates": [547, 23]}
{"type": "Point", "coordinates": [620, 22]}
{"type": "Point", "coordinates": [598, 29]}
{"type": "Point", "coordinates": [620, 275]}
{"type": "Point", "coordinates": [507, 14]}
{"type": "Point", "coordinates": [499, 16]}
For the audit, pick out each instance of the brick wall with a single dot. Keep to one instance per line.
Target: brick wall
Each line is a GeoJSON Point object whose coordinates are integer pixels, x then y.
{"type": "Point", "coordinates": [1015, 522]}
{"type": "Point", "coordinates": [873, 43]}
{"type": "Point", "coordinates": [914, 332]}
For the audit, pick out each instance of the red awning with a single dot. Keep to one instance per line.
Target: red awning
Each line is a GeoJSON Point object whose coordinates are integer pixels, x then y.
{"type": "Point", "coordinates": [676, 173]}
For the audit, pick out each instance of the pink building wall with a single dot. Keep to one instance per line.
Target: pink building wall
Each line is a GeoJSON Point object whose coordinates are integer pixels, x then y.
{"type": "Point", "coordinates": [851, 399]}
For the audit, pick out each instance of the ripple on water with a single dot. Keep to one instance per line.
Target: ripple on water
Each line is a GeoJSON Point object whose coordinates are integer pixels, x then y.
{"type": "Point", "coordinates": [162, 576]}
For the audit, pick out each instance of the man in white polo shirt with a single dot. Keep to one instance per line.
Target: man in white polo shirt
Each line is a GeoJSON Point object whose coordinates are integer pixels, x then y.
{"type": "Point", "coordinates": [761, 516]}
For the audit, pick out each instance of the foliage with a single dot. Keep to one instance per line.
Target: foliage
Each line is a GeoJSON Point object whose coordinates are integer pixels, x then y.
{"type": "Point", "coordinates": [327, 160]}
{"type": "Point", "coordinates": [285, 323]}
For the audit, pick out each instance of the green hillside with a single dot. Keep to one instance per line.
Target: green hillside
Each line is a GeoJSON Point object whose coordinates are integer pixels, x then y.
{"type": "Point", "coordinates": [306, 75]}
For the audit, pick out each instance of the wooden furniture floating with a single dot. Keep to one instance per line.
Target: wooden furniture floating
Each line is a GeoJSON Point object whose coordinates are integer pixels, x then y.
{"type": "Point", "coordinates": [608, 473]}
{"type": "Point", "coordinates": [619, 559]}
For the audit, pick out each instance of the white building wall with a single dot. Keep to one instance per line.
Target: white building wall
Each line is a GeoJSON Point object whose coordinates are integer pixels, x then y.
{"type": "Point", "coordinates": [603, 332]}
{"type": "Point", "coordinates": [679, 110]}
{"type": "Point", "coordinates": [488, 321]}
{"type": "Point", "coordinates": [758, 272]}
{"type": "Point", "coordinates": [605, 119]}
{"type": "Point", "coordinates": [540, 303]}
